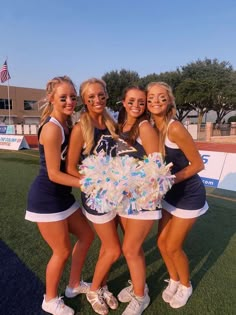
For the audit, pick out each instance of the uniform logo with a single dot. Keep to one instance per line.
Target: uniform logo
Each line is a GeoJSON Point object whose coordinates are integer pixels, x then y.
{"type": "Point", "coordinates": [106, 145]}
{"type": "Point", "coordinates": [63, 153]}
{"type": "Point", "coordinates": [124, 148]}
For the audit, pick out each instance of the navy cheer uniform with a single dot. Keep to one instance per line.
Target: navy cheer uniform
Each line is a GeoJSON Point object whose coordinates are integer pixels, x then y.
{"type": "Point", "coordinates": [49, 201]}
{"type": "Point", "coordinates": [103, 142]}
{"type": "Point", "coordinates": [186, 199]}
{"type": "Point", "coordinates": [136, 151]}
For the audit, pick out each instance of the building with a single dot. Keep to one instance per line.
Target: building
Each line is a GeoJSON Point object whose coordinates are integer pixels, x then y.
{"type": "Point", "coordinates": [23, 105]}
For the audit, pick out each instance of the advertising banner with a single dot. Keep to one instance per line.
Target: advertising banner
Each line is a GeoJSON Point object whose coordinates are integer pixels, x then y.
{"type": "Point", "coordinates": [228, 174]}
{"type": "Point", "coordinates": [220, 170]}
{"type": "Point", "coordinates": [7, 129]}
{"type": "Point", "coordinates": [213, 162]}
{"type": "Point", "coordinates": [3, 129]}
{"type": "Point", "coordinates": [13, 142]}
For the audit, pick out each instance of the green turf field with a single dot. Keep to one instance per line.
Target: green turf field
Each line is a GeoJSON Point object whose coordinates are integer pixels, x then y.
{"type": "Point", "coordinates": [211, 246]}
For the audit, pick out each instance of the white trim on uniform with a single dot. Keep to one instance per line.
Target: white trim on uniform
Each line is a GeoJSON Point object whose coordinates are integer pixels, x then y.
{"type": "Point", "coordinates": [144, 215]}
{"type": "Point", "coordinates": [52, 217]}
{"type": "Point", "coordinates": [56, 122]}
{"type": "Point", "coordinates": [169, 143]}
{"type": "Point", "coordinates": [185, 214]}
{"type": "Point", "coordinates": [99, 219]}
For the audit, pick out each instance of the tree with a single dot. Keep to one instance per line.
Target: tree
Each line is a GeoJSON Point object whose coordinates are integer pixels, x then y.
{"type": "Point", "coordinates": [225, 101]}
{"type": "Point", "coordinates": [116, 82]}
{"type": "Point", "coordinates": [173, 78]}
{"type": "Point", "coordinates": [207, 85]}
{"type": "Point", "coordinates": [149, 78]}
{"type": "Point", "coordinates": [191, 94]}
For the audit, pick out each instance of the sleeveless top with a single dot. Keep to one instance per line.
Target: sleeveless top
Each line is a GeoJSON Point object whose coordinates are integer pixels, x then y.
{"type": "Point", "coordinates": [103, 142]}
{"type": "Point", "coordinates": [45, 197]}
{"type": "Point", "coordinates": [189, 194]}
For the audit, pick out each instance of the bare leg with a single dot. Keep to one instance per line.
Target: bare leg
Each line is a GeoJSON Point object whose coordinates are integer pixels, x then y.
{"type": "Point", "coordinates": [57, 237]}
{"type": "Point", "coordinates": [79, 226]}
{"type": "Point", "coordinates": [163, 228]}
{"type": "Point", "coordinates": [110, 251]}
{"type": "Point", "coordinates": [170, 241]}
{"type": "Point", "coordinates": [135, 233]}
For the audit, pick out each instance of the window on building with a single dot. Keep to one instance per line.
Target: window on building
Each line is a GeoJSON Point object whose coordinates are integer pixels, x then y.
{"type": "Point", "coordinates": [29, 105]}
{"type": "Point", "coordinates": [4, 103]}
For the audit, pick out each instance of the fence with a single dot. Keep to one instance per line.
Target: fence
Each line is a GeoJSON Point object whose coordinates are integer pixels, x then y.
{"type": "Point", "coordinates": [19, 129]}
{"type": "Point", "coordinates": [202, 133]}
{"type": "Point", "coordinates": [209, 131]}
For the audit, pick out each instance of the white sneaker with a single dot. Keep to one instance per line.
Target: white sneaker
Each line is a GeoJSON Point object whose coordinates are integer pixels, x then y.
{"type": "Point", "coordinates": [57, 307]}
{"type": "Point", "coordinates": [181, 296]}
{"type": "Point", "coordinates": [97, 302]}
{"type": "Point", "coordinates": [83, 287]}
{"type": "Point", "coordinates": [137, 305]}
{"type": "Point", "coordinates": [170, 290]}
{"type": "Point", "coordinates": [109, 298]}
{"type": "Point", "coordinates": [127, 293]}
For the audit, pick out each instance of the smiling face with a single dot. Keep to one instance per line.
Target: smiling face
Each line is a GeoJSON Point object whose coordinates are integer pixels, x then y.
{"type": "Point", "coordinates": [95, 97]}
{"type": "Point", "coordinates": [158, 100]}
{"type": "Point", "coordinates": [64, 98]}
{"type": "Point", "coordinates": [134, 103]}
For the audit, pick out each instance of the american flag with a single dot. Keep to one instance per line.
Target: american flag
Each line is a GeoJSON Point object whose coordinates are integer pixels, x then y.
{"type": "Point", "coordinates": [4, 74]}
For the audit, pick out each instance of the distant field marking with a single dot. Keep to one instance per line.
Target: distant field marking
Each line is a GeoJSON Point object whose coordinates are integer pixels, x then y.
{"type": "Point", "coordinates": [221, 197]}
{"type": "Point", "coordinates": [20, 152]}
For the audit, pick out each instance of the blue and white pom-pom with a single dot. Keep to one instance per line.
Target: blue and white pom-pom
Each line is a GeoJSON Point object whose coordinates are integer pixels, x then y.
{"type": "Point", "coordinates": [125, 183]}
{"type": "Point", "coordinates": [95, 181]}
{"type": "Point", "coordinates": [106, 180]}
{"type": "Point", "coordinates": [156, 182]}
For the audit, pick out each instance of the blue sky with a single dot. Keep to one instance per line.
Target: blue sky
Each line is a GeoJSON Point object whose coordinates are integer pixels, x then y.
{"type": "Point", "coordinates": [87, 38]}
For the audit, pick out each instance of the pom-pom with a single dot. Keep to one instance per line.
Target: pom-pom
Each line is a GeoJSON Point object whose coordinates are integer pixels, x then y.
{"type": "Point", "coordinates": [106, 180]}
{"type": "Point", "coordinates": [154, 184]}
{"type": "Point", "coordinates": [124, 183]}
{"type": "Point", "coordinates": [95, 181]}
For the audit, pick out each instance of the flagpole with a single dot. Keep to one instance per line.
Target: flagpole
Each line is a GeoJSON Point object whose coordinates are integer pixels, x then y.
{"type": "Point", "coordinates": [8, 96]}
{"type": "Point", "coordinates": [9, 104]}
{"type": "Point", "coordinates": [5, 76]}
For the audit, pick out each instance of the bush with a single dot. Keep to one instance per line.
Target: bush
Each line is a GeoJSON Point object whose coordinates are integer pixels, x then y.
{"type": "Point", "coordinates": [232, 119]}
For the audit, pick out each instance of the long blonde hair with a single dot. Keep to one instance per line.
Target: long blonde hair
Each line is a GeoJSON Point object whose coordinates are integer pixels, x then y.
{"type": "Point", "coordinates": [51, 87]}
{"type": "Point", "coordinates": [170, 113]}
{"type": "Point", "coordinates": [87, 126]}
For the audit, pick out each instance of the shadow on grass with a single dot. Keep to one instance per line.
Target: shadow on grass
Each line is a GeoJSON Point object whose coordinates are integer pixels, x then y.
{"type": "Point", "coordinates": [205, 243]}
{"type": "Point", "coordinates": [210, 237]}
{"type": "Point", "coordinates": [21, 290]}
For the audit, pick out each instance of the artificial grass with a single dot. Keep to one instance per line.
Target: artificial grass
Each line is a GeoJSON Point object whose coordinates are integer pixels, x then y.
{"type": "Point", "coordinates": [211, 247]}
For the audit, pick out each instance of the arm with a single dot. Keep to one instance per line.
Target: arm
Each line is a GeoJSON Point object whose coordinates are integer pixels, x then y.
{"type": "Point", "coordinates": [178, 134]}
{"type": "Point", "coordinates": [74, 151]}
{"type": "Point", "coordinates": [149, 138]}
{"type": "Point", "coordinates": [51, 139]}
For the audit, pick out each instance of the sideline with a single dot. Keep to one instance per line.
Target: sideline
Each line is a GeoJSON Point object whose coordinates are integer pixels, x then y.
{"type": "Point", "coordinates": [19, 152]}
{"type": "Point", "coordinates": [221, 197]}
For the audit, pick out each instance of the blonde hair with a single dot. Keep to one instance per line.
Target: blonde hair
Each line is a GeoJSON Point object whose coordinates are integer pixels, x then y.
{"type": "Point", "coordinates": [50, 91]}
{"type": "Point", "coordinates": [170, 113]}
{"type": "Point", "coordinates": [86, 123]}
